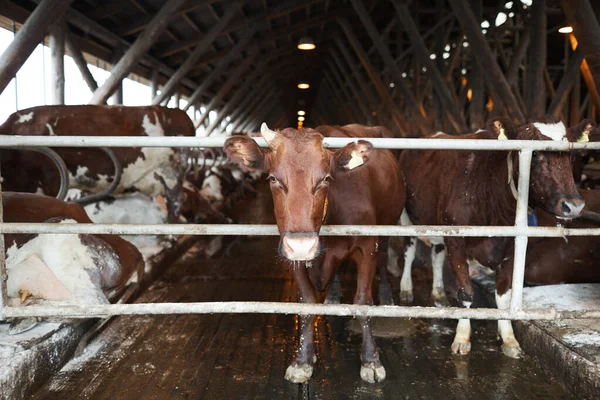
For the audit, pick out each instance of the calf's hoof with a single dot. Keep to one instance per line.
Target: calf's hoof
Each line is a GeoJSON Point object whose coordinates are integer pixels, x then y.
{"type": "Point", "coordinates": [386, 299]}
{"type": "Point", "coordinates": [298, 373]}
{"type": "Point", "coordinates": [406, 298]}
{"type": "Point", "coordinates": [372, 372]}
{"type": "Point", "coordinates": [461, 348]}
{"type": "Point", "coordinates": [439, 298]}
{"type": "Point", "coordinates": [512, 350]}
{"type": "Point", "coordinates": [333, 298]}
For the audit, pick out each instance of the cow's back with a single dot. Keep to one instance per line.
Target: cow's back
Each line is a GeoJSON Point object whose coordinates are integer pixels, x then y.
{"type": "Point", "coordinates": [449, 187]}
{"type": "Point", "coordinates": [91, 120]}
{"type": "Point", "coordinates": [370, 194]}
{"type": "Point", "coordinates": [92, 169]}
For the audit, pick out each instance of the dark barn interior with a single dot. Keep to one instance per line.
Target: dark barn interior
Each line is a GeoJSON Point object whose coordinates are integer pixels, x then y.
{"type": "Point", "coordinates": [413, 67]}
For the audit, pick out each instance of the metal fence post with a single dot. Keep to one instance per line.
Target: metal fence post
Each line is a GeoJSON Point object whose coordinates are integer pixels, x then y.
{"type": "Point", "coordinates": [521, 222]}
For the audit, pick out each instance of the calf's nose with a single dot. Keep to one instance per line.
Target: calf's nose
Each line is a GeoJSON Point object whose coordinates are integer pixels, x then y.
{"type": "Point", "coordinates": [300, 248]}
{"type": "Point", "coordinates": [571, 208]}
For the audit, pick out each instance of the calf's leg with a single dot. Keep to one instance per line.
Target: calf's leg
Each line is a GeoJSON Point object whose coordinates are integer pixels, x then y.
{"type": "Point", "coordinates": [510, 345]}
{"type": "Point", "coordinates": [438, 257]}
{"type": "Point", "coordinates": [406, 286]}
{"type": "Point", "coordinates": [301, 368]}
{"type": "Point", "coordinates": [371, 369]}
{"type": "Point", "coordinates": [458, 261]}
{"type": "Point", "coordinates": [386, 297]}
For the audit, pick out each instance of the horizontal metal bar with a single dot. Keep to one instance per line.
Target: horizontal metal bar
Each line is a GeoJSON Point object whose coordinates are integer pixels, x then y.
{"type": "Point", "coordinates": [271, 230]}
{"type": "Point", "coordinates": [240, 307]}
{"type": "Point", "coordinates": [218, 141]}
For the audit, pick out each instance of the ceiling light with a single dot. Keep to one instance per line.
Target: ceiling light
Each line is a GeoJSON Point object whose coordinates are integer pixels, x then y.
{"type": "Point", "coordinates": [566, 29]}
{"type": "Point", "coordinates": [303, 85]}
{"type": "Point", "coordinates": [306, 43]}
{"type": "Point", "coordinates": [301, 112]}
{"type": "Point", "coordinates": [301, 119]}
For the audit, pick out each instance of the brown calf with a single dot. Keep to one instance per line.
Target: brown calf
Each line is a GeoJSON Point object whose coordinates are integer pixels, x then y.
{"type": "Point", "coordinates": [310, 186]}
{"type": "Point", "coordinates": [575, 259]}
{"type": "Point", "coordinates": [448, 187]}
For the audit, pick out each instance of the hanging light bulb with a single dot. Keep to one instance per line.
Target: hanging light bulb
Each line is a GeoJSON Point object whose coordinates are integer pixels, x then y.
{"type": "Point", "coordinates": [306, 43]}
{"type": "Point", "coordinates": [566, 29]}
{"type": "Point", "coordinates": [303, 85]}
{"type": "Point", "coordinates": [301, 112]}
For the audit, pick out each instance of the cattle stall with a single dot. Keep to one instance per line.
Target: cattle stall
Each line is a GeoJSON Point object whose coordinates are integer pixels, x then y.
{"type": "Point", "coordinates": [232, 234]}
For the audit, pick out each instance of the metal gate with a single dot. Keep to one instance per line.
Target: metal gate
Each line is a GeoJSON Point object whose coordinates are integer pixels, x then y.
{"type": "Point", "coordinates": [520, 231]}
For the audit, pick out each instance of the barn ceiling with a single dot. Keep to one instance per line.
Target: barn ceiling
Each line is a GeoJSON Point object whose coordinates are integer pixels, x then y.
{"type": "Point", "coordinates": [272, 29]}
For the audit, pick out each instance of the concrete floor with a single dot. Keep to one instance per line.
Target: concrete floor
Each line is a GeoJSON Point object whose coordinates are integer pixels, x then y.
{"type": "Point", "coordinates": [245, 356]}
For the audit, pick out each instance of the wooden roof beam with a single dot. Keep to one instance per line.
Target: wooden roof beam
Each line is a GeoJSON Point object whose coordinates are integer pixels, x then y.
{"type": "Point", "coordinates": [28, 37]}
{"type": "Point", "coordinates": [275, 12]}
{"type": "Point", "coordinates": [152, 32]}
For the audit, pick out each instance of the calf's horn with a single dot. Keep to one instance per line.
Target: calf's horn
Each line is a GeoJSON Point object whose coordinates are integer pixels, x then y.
{"type": "Point", "coordinates": [267, 134]}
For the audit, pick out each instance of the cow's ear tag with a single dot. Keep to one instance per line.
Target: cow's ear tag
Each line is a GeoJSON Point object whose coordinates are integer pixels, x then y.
{"type": "Point", "coordinates": [502, 135]}
{"type": "Point", "coordinates": [355, 161]}
{"type": "Point", "coordinates": [583, 138]}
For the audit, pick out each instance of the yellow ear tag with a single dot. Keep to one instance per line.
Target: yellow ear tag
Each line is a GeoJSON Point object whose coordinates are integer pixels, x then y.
{"type": "Point", "coordinates": [355, 161]}
{"type": "Point", "coordinates": [502, 135]}
{"type": "Point", "coordinates": [583, 138]}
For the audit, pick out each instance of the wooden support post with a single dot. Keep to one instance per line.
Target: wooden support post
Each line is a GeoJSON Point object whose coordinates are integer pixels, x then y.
{"type": "Point", "coordinates": [241, 92]}
{"type": "Point", "coordinates": [177, 98]}
{"type": "Point", "coordinates": [80, 60]}
{"type": "Point", "coordinates": [416, 113]}
{"type": "Point", "coordinates": [575, 100]}
{"type": "Point", "coordinates": [200, 49]}
{"type": "Point", "coordinates": [500, 89]}
{"type": "Point", "coordinates": [152, 32]}
{"type": "Point", "coordinates": [513, 71]}
{"type": "Point", "coordinates": [569, 78]}
{"type": "Point", "coordinates": [57, 63]}
{"type": "Point", "coordinates": [221, 66]}
{"type": "Point", "coordinates": [581, 16]}
{"type": "Point", "coordinates": [475, 82]}
{"type": "Point", "coordinates": [226, 88]}
{"type": "Point", "coordinates": [439, 84]}
{"type": "Point", "coordinates": [440, 42]}
{"type": "Point", "coordinates": [154, 83]}
{"type": "Point", "coordinates": [536, 94]}
{"type": "Point", "coordinates": [28, 37]}
{"type": "Point", "coordinates": [117, 96]}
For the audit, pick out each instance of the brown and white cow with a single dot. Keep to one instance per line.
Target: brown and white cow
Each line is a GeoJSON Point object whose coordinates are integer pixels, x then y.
{"type": "Point", "coordinates": [92, 169]}
{"type": "Point", "coordinates": [311, 186]}
{"type": "Point", "coordinates": [76, 269]}
{"type": "Point", "coordinates": [450, 187]}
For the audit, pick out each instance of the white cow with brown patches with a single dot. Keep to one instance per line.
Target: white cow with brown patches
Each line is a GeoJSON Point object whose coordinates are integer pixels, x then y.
{"type": "Point", "coordinates": [92, 169]}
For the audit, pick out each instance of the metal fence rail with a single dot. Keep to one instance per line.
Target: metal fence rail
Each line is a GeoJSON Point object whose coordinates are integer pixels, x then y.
{"type": "Point", "coordinates": [521, 231]}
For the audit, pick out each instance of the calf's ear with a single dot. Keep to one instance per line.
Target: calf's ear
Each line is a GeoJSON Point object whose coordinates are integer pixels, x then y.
{"type": "Point", "coordinates": [243, 151]}
{"type": "Point", "coordinates": [581, 132]}
{"type": "Point", "coordinates": [353, 155]}
{"type": "Point", "coordinates": [502, 128]}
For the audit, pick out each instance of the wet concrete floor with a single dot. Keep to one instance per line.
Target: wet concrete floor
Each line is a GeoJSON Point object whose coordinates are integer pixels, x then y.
{"type": "Point", "coordinates": [245, 356]}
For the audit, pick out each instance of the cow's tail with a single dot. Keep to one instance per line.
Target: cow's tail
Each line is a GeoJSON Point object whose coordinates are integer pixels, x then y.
{"type": "Point", "coordinates": [113, 185]}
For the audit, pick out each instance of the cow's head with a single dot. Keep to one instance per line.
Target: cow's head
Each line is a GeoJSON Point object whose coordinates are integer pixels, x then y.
{"type": "Point", "coordinates": [300, 172]}
{"type": "Point", "coordinates": [552, 187]}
